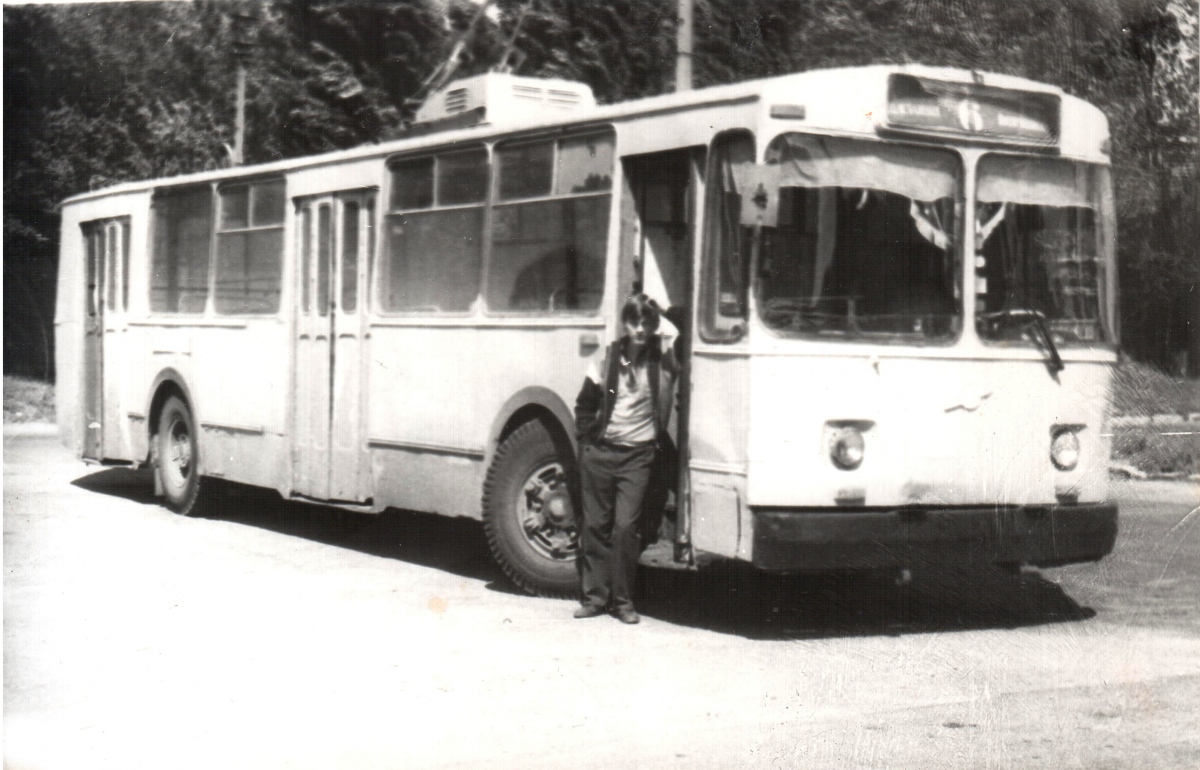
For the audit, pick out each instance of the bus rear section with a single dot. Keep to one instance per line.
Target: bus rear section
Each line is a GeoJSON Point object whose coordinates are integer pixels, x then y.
{"type": "Point", "coordinates": [905, 351]}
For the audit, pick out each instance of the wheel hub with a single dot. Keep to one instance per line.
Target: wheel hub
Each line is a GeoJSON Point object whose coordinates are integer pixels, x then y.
{"type": "Point", "coordinates": [547, 515]}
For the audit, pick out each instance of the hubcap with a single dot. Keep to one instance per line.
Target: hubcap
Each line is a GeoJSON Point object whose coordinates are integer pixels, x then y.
{"type": "Point", "coordinates": [546, 514]}
{"type": "Point", "coordinates": [179, 452]}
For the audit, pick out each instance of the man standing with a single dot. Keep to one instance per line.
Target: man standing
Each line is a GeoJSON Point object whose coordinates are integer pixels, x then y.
{"type": "Point", "coordinates": [620, 416]}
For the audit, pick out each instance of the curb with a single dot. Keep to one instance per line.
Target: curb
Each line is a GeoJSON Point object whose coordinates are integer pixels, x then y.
{"type": "Point", "coordinates": [1124, 420]}
{"type": "Point", "coordinates": [1124, 471]}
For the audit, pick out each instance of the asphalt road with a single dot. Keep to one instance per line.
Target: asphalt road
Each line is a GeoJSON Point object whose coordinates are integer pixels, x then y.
{"type": "Point", "coordinates": [275, 635]}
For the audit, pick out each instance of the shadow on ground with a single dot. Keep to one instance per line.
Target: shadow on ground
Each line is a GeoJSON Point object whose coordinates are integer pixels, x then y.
{"type": "Point", "coordinates": [725, 597]}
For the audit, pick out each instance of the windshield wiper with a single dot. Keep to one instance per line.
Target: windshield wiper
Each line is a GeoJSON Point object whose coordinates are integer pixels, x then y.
{"type": "Point", "coordinates": [1037, 319]}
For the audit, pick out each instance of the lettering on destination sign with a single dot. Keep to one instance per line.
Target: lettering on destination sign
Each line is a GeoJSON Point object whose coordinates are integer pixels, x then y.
{"type": "Point", "coordinates": [970, 110]}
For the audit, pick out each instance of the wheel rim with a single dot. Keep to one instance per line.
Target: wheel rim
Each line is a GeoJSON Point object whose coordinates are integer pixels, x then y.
{"type": "Point", "coordinates": [546, 515]}
{"type": "Point", "coordinates": [178, 460]}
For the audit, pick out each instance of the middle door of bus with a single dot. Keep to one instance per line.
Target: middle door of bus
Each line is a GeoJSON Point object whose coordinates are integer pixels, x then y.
{"type": "Point", "coordinates": [334, 242]}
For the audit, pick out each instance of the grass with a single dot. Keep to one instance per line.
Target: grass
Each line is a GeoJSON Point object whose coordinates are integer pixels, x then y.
{"type": "Point", "coordinates": [27, 400]}
{"type": "Point", "coordinates": [1163, 447]}
{"type": "Point", "coordinates": [1142, 391]}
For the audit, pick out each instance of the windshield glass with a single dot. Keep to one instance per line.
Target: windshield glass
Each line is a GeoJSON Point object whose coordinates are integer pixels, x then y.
{"type": "Point", "coordinates": [864, 242]}
{"type": "Point", "coordinates": [1043, 241]}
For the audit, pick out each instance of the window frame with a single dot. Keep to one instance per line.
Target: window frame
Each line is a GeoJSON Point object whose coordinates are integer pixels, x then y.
{"type": "Point", "coordinates": [111, 236]}
{"type": "Point", "coordinates": [1107, 290]}
{"type": "Point", "coordinates": [494, 202]}
{"type": "Point", "coordinates": [214, 190]}
{"type": "Point", "coordinates": [379, 267]}
{"type": "Point", "coordinates": [157, 196]}
{"type": "Point", "coordinates": [954, 279]}
{"type": "Point", "coordinates": [710, 327]}
{"type": "Point", "coordinates": [251, 184]}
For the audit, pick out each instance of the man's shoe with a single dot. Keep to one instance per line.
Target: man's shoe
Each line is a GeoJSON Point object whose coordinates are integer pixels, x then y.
{"type": "Point", "coordinates": [628, 616]}
{"type": "Point", "coordinates": [588, 611]}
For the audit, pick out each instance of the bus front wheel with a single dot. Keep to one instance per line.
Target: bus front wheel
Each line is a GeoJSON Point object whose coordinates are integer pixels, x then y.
{"type": "Point", "coordinates": [528, 514]}
{"type": "Point", "coordinates": [177, 463]}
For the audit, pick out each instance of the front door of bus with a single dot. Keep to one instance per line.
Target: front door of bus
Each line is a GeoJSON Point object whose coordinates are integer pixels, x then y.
{"type": "Point", "coordinates": [334, 243]}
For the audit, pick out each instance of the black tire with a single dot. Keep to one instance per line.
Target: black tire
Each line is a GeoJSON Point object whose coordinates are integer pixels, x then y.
{"type": "Point", "coordinates": [528, 514]}
{"type": "Point", "coordinates": [178, 457]}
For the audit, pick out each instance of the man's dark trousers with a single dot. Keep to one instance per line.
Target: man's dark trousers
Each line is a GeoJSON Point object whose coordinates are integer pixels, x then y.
{"type": "Point", "coordinates": [613, 481]}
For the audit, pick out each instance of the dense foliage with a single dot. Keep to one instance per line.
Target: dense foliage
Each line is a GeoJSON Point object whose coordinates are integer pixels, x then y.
{"type": "Point", "coordinates": [95, 94]}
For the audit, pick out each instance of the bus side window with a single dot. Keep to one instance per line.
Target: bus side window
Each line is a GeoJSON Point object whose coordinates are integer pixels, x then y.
{"type": "Point", "coordinates": [550, 225]}
{"type": "Point", "coordinates": [433, 236]}
{"type": "Point", "coordinates": [725, 276]}
{"type": "Point", "coordinates": [250, 248]}
{"type": "Point", "coordinates": [93, 238]}
{"type": "Point", "coordinates": [125, 229]}
{"type": "Point", "coordinates": [182, 243]}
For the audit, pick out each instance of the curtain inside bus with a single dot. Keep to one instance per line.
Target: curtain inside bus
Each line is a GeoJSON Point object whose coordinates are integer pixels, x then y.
{"type": "Point", "coordinates": [1044, 242]}
{"type": "Point", "coordinates": [864, 242]}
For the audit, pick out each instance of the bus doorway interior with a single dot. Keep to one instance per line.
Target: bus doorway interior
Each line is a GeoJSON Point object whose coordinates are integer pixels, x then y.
{"type": "Point", "coordinates": [657, 233]}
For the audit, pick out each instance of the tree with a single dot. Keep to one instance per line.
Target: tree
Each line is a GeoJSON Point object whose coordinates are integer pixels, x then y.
{"type": "Point", "coordinates": [99, 94]}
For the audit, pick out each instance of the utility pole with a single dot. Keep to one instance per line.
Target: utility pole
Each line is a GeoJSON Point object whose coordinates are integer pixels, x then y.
{"type": "Point", "coordinates": [243, 48]}
{"type": "Point", "coordinates": [683, 46]}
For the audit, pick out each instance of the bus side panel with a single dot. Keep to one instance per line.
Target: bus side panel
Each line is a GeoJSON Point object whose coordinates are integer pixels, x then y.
{"type": "Point", "coordinates": [68, 331]}
{"type": "Point", "coordinates": [718, 436]}
{"type": "Point", "coordinates": [240, 382]}
{"type": "Point", "coordinates": [422, 431]}
{"type": "Point", "coordinates": [553, 358]}
{"type": "Point", "coordinates": [427, 481]}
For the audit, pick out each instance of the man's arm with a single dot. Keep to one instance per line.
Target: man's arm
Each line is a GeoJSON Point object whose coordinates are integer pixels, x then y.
{"type": "Point", "coordinates": [588, 404]}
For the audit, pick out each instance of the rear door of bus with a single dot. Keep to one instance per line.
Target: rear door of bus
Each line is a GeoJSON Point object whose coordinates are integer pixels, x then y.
{"type": "Point", "coordinates": [107, 254]}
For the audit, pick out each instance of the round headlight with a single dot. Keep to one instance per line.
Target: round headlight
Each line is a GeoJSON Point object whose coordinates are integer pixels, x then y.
{"type": "Point", "coordinates": [846, 448]}
{"type": "Point", "coordinates": [1064, 450]}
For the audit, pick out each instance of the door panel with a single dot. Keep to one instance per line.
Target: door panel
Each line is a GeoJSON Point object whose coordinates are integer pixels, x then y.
{"type": "Point", "coordinates": [334, 239]}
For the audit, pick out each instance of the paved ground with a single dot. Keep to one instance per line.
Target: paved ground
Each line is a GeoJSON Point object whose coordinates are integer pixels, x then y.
{"type": "Point", "coordinates": [275, 635]}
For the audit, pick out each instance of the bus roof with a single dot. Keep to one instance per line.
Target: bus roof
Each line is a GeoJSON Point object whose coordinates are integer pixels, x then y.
{"type": "Point", "coordinates": [840, 99]}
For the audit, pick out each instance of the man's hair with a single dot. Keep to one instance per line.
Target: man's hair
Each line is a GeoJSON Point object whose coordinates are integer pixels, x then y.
{"type": "Point", "coordinates": [639, 307]}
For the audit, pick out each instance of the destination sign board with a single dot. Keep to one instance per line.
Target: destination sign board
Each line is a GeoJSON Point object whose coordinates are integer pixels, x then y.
{"type": "Point", "coordinates": [984, 113]}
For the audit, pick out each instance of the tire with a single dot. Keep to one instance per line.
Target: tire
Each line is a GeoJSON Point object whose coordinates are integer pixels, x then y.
{"type": "Point", "coordinates": [528, 514]}
{"type": "Point", "coordinates": [178, 457]}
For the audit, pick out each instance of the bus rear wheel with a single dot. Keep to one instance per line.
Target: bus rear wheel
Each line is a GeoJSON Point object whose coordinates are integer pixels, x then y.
{"type": "Point", "coordinates": [528, 514]}
{"type": "Point", "coordinates": [177, 463]}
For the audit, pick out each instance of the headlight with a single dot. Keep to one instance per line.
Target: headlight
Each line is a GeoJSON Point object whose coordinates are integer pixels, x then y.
{"type": "Point", "coordinates": [846, 448]}
{"type": "Point", "coordinates": [1064, 450]}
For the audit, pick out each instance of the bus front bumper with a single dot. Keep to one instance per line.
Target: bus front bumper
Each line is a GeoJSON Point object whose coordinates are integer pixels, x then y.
{"type": "Point", "coordinates": [879, 538]}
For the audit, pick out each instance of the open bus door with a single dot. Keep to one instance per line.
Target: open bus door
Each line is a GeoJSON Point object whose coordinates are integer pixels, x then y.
{"type": "Point", "coordinates": [335, 240]}
{"type": "Point", "coordinates": [662, 192]}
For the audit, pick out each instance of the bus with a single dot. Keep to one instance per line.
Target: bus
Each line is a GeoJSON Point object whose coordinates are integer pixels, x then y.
{"type": "Point", "coordinates": [894, 286]}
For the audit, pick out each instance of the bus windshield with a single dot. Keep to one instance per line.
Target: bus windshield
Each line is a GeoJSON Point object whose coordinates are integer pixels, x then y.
{"type": "Point", "coordinates": [864, 241]}
{"type": "Point", "coordinates": [1043, 241]}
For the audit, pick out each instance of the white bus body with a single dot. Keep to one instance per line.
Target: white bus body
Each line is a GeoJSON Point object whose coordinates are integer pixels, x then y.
{"type": "Point", "coordinates": [898, 281]}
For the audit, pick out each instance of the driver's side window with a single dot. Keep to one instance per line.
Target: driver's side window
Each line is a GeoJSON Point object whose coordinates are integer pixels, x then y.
{"type": "Point", "coordinates": [725, 277]}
